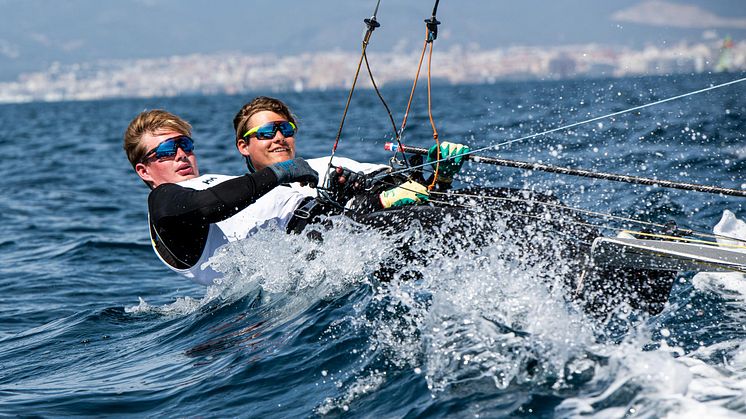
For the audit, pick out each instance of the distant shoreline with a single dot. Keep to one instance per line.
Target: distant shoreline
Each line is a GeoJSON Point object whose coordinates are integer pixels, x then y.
{"type": "Point", "coordinates": [233, 73]}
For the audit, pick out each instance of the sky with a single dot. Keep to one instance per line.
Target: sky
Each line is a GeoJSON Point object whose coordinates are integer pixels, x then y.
{"type": "Point", "coordinates": [35, 33]}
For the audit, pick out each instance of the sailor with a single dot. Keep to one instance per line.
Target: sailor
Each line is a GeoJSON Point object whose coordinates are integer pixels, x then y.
{"type": "Point", "coordinates": [190, 216]}
{"type": "Point", "coordinates": [265, 129]}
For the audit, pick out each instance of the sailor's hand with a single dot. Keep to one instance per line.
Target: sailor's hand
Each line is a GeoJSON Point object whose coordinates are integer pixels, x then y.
{"type": "Point", "coordinates": [295, 170]}
{"type": "Point", "coordinates": [345, 183]}
{"type": "Point", "coordinates": [452, 158]}
{"type": "Point", "coordinates": [405, 194]}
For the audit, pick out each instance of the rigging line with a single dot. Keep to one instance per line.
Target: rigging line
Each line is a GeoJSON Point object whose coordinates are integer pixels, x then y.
{"type": "Point", "coordinates": [385, 105]}
{"type": "Point", "coordinates": [587, 121]}
{"type": "Point", "coordinates": [430, 113]}
{"type": "Point", "coordinates": [411, 93]}
{"type": "Point", "coordinates": [372, 21]}
{"type": "Point", "coordinates": [601, 215]}
{"type": "Point", "coordinates": [372, 25]}
{"type": "Point", "coordinates": [505, 212]}
{"type": "Point", "coordinates": [352, 90]}
{"type": "Point", "coordinates": [534, 217]}
{"type": "Point", "coordinates": [685, 239]}
{"type": "Point", "coordinates": [432, 34]}
{"type": "Point", "coordinates": [596, 214]}
{"type": "Point", "coordinates": [638, 180]}
{"type": "Point", "coordinates": [559, 206]}
{"type": "Point", "coordinates": [686, 231]}
{"type": "Point", "coordinates": [613, 114]}
{"type": "Point", "coordinates": [380, 96]}
{"type": "Point", "coordinates": [375, 11]}
{"type": "Point", "coordinates": [435, 8]}
{"type": "Point", "coordinates": [566, 207]}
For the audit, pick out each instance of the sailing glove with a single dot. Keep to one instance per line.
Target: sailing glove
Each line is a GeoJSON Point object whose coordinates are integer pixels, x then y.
{"type": "Point", "coordinates": [451, 156]}
{"type": "Point", "coordinates": [295, 170]}
{"type": "Point", "coordinates": [405, 194]}
{"type": "Point", "coordinates": [345, 184]}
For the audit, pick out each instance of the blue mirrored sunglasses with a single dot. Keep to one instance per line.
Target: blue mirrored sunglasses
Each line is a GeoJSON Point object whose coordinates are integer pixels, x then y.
{"type": "Point", "coordinates": [169, 147]}
{"type": "Point", "coordinates": [269, 130]}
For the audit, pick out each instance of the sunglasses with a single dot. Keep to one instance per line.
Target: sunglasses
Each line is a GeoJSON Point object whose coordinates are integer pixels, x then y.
{"type": "Point", "coordinates": [269, 130]}
{"type": "Point", "coordinates": [169, 147]}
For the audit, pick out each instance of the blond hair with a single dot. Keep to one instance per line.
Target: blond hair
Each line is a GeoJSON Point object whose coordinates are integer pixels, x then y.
{"type": "Point", "coordinates": [150, 122]}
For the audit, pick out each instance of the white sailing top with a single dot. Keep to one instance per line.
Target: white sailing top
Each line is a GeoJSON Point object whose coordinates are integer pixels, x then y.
{"type": "Point", "coordinates": [275, 207]}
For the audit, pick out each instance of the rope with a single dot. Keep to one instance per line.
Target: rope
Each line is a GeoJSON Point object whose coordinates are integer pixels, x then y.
{"type": "Point", "coordinates": [591, 174]}
{"type": "Point", "coordinates": [688, 240]}
{"type": "Point", "coordinates": [684, 231]}
{"type": "Point", "coordinates": [430, 113]}
{"type": "Point", "coordinates": [411, 93]}
{"type": "Point", "coordinates": [372, 24]}
{"type": "Point", "coordinates": [385, 105]}
{"type": "Point", "coordinates": [580, 211]}
{"type": "Point", "coordinates": [598, 118]}
{"type": "Point", "coordinates": [587, 121]}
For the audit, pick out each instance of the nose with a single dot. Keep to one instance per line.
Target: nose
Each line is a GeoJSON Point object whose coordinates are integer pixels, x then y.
{"type": "Point", "coordinates": [279, 136]}
{"type": "Point", "coordinates": [181, 154]}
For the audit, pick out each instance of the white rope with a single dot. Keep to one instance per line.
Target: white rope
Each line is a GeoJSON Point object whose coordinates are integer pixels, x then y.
{"type": "Point", "coordinates": [598, 118]}
{"type": "Point", "coordinates": [575, 124]}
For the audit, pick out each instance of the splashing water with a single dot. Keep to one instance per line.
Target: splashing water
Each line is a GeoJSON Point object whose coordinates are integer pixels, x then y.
{"type": "Point", "coordinates": [299, 327]}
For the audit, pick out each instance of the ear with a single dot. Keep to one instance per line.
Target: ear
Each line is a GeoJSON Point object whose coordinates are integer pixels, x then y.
{"type": "Point", "coordinates": [243, 147]}
{"type": "Point", "coordinates": [144, 173]}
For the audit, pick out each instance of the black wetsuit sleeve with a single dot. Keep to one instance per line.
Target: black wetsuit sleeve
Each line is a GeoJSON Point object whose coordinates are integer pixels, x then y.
{"type": "Point", "coordinates": [182, 216]}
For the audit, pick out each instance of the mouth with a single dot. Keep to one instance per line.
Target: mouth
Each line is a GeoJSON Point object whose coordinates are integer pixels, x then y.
{"type": "Point", "coordinates": [185, 169]}
{"type": "Point", "coordinates": [281, 150]}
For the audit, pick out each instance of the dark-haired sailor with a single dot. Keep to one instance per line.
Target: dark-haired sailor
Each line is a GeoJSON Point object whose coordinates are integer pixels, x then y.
{"type": "Point", "coordinates": [265, 131]}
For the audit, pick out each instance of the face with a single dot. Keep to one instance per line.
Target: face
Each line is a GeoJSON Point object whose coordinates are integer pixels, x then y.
{"type": "Point", "coordinates": [265, 153]}
{"type": "Point", "coordinates": [182, 166]}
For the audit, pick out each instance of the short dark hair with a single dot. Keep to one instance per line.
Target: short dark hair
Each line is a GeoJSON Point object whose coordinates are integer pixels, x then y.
{"type": "Point", "coordinates": [258, 104]}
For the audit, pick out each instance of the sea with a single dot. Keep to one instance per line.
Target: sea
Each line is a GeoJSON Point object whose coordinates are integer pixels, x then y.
{"type": "Point", "coordinates": [93, 324]}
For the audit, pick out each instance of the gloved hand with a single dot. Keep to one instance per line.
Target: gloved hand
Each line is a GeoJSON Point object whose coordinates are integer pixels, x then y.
{"type": "Point", "coordinates": [344, 184]}
{"type": "Point", "coordinates": [451, 151]}
{"type": "Point", "coordinates": [295, 170]}
{"type": "Point", "coordinates": [405, 194]}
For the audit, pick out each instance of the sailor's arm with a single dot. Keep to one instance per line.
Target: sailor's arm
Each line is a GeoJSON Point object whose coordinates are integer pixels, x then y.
{"type": "Point", "coordinates": [211, 205]}
{"type": "Point", "coordinates": [217, 203]}
{"type": "Point", "coordinates": [180, 217]}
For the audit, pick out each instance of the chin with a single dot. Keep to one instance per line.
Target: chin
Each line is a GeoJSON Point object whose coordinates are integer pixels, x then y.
{"type": "Point", "coordinates": [279, 158]}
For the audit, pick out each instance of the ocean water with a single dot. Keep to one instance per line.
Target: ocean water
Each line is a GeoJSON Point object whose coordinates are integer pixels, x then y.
{"type": "Point", "coordinates": [92, 324]}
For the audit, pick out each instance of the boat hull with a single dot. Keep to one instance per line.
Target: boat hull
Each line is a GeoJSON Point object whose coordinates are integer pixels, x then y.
{"type": "Point", "coordinates": [537, 229]}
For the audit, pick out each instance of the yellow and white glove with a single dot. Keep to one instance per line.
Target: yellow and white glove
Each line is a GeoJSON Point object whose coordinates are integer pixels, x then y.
{"type": "Point", "coordinates": [407, 193]}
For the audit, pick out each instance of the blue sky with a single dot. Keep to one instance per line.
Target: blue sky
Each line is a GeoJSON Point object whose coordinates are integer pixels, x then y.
{"type": "Point", "coordinates": [34, 33]}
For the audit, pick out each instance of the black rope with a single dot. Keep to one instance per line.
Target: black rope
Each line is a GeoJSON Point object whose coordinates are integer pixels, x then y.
{"type": "Point", "coordinates": [372, 24]}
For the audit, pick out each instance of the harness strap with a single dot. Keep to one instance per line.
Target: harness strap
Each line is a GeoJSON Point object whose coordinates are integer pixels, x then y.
{"type": "Point", "coordinates": [307, 212]}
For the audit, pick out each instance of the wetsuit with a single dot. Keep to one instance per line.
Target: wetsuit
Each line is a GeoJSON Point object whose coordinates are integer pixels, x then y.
{"type": "Point", "coordinates": [189, 220]}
